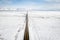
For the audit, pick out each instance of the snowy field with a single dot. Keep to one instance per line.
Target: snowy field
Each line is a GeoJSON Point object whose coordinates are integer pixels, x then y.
{"type": "Point", "coordinates": [12, 25]}
{"type": "Point", "coordinates": [43, 25]}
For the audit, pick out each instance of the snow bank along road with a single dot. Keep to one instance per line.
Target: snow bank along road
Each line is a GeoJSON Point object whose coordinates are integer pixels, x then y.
{"type": "Point", "coordinates": [43, 25]}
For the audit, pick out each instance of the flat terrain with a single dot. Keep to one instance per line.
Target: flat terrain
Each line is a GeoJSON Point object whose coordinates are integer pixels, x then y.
{"type": "Point", "coordinates": [42, 26]}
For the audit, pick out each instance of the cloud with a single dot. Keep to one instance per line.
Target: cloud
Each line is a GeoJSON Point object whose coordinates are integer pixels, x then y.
{"type": "Point", "coordinates": [52, 0]}
{"type": "Point", "coordinates": [32, 5]}
{"type": "Point", "coordinates": [6, 1]}
{"type": "Point", "coordinates": [36, 6]}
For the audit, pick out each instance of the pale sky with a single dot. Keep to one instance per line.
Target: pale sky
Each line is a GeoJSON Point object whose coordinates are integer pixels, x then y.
{"type": "Point", "coordinates": [31, 4]}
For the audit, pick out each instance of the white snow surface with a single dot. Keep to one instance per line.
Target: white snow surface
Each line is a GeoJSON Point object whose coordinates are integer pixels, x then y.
{"type": "Point", "coordinates": [12, 25]}
{"type": "Point", "coordinates": [43, 25]}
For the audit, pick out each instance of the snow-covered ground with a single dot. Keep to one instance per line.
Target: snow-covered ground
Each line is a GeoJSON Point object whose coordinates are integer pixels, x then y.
{"type": "Point", "coordinates": [12, 25]}
{"type": "Point", "coordinates": [43, 25]}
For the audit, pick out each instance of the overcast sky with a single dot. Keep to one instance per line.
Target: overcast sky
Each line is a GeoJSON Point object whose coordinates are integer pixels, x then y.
{"type": "Point", "coordinates": [31, 4]}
